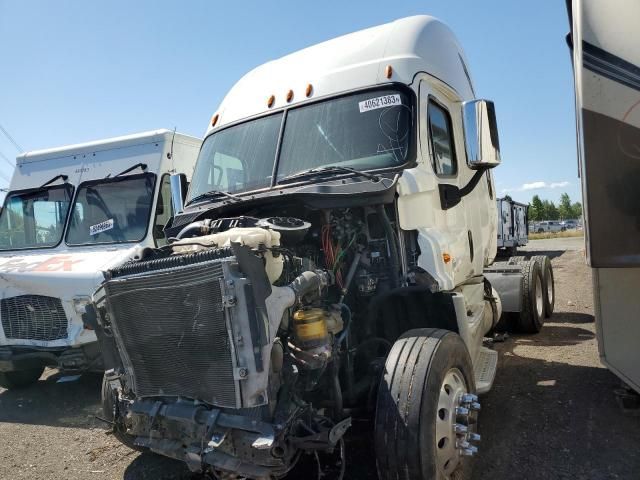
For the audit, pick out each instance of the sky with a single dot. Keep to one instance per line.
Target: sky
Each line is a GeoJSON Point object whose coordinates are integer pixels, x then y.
{"type": "Point", "coordinates": [76, 71]}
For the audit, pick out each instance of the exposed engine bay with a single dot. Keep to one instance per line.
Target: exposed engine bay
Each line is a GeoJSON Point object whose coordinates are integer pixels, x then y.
{"type": "Point", "coordinates": [248, 341]}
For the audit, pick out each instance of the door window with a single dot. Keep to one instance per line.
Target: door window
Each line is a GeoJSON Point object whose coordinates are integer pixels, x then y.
{"type": "Point", "coordinates": [441, 135]}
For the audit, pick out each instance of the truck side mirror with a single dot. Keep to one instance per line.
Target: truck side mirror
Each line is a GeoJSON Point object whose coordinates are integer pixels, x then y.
{"type": "Point", "coordinates": [178, 191]}
{"type": "Point", "coordinates": [480, 134]}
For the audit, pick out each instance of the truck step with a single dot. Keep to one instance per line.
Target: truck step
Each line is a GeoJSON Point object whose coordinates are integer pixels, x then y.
{"type": "Point", "coordinates": [485, 369]}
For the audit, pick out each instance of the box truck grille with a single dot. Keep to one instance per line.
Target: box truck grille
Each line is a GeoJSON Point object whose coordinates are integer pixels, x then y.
{"type": "Point", "coordinates": [171, 326]}
{"type": "Point", "coordinates": [33, 317]}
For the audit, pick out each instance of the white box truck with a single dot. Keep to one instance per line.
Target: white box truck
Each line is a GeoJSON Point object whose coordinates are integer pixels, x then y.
{"type": "Point", "coordinates": [70, 213]}
{"type": "Point", "coordinates": [330, 262]}
{"type": "Point", "coordinates": [605, 43]}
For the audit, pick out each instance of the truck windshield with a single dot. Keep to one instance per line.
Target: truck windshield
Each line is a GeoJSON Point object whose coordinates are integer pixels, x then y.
{"type": "Point", "coordinates": [364, 130]}
{"type": "Point", "coordinates": [34, 218]}
{"type": "Point", "coordinates": [112, 211]}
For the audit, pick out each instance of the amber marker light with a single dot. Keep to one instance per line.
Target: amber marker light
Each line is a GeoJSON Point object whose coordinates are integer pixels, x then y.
{"type": "Point", "coordinates": [309, 90]}
{"type": "Point", "coordinates": [388, 71]}
{"type": "Point", "coordinates": [270, 101]}
{"type": "Point", "coordinates": [289, 95]}
{"type": "Point", "coordinates": [446, 257]}
{"type": "Point", "coordinates": [214, 120]}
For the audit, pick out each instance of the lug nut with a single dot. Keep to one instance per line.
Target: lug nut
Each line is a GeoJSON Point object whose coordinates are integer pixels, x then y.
{"type": "Point", "coordinates": [459, 428]}
{"type": "Point", "coordinates": [468, 398]}
{"type": "Point", "coordinates": [462, 411]}
{"type": "Point", "coordinates": [475, 406]}
{"type": "Point", "coordinates": [474, 437]}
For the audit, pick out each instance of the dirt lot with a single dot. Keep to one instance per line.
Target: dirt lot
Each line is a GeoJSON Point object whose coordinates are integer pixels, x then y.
{"type": "Point", "coordinates": [551, 414]}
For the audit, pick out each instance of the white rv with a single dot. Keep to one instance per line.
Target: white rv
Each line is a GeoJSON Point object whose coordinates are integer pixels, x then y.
{"type": "Point", "coordinates": [605, 44]}
{"type": "Point", "coordinates": [513, 225]}
{"type": "Point", "coordinates": [70, 213]}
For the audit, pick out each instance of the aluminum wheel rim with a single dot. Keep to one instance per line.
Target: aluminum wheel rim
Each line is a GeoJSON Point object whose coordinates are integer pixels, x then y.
{"type": "Point", "coordinates": [550, 289]}
{"type": "Point", "coordinates": [447, 451]}
{"type": "Point", "coordinates": [539, 297]}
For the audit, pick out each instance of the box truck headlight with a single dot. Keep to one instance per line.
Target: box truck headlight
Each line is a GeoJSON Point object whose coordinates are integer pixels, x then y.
{"type": "Point", "coordinates": [80, 302]}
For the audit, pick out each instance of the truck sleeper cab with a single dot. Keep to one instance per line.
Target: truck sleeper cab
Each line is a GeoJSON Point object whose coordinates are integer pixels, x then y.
{"type": "Point", "coordinates": [71, 212]}
{"type": "Point", "coordinates": [328, 264]}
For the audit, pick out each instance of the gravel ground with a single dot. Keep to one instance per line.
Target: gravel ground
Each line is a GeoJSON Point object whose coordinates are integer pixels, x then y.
{"type": "Point", "coordinates": [551, 414]}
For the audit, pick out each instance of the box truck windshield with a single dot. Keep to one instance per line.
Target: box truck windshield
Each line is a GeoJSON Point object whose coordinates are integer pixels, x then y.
{"type": "Point", "coordinates": [34, 218]}
{"type": "Point", "coordinates": [115, 210]}
{"type": "Point", "coordinates": [364, 130]}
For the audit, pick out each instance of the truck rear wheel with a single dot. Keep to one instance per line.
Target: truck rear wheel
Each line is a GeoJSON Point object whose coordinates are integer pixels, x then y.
{"type": "Point", "coordinates": [426, 412]}
{"type": "Point", "coordinates": [109, 403]}
{"type": "Point", "coordinates": [531, 316]}
{"type": "Point", "coordinates": [548, 285]}
{"type": "Point", "coordinates": [20, 378]}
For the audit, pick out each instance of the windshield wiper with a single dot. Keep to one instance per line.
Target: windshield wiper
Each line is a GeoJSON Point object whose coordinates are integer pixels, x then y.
{"type": "Point", "coordinates": [215, 193]}
{"type": "Point", "coordinates": [329, 169]}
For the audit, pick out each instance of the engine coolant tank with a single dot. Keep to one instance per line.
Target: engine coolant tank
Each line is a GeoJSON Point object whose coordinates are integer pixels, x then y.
{"type": "Point", "coordinates": [310, 328]}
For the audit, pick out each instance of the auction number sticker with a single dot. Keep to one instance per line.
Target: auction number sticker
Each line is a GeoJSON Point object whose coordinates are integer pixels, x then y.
{"type": "Point", "coordinates": [101, 227]}
{"type": "Point", "coordinates": [380, 102]}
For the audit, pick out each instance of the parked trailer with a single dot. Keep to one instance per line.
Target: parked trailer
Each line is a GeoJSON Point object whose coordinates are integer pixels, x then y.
{"type": "Point", "coordinates": [513, 225]}
{"type": "Point", "coordinates": [330, 261]}
{"type": "Point", "coordinates": [605, 44]}
{"type": "Point", "coordinates": [70, 213]}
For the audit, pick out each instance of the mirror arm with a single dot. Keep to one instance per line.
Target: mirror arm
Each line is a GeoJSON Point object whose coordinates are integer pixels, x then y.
{"type": "Point", "coordinates": [450, 195]}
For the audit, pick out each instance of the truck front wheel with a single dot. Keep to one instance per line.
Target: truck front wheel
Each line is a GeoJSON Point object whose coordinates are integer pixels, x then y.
{"type": "Point", "coordinates": [109, 410]}
{"type": "Point", "coordinates": [426, 412]}
{"type": "Point", "coordinates": [20, 378]}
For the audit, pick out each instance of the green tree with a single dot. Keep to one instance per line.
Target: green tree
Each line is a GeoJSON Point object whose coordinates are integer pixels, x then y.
{"type": "Point", "coordinates": [536, 210]}
{"type": "Point", "coordinates": [552, 211]}
{"type": "Point", "coordinates": [565, 208]}
{"type": "Point", "coordinates": [576, 210]}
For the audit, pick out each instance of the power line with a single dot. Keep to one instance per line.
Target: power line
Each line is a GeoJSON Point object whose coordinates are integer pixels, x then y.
{"type": "Point", "coordinates": [15, 144]}
{"type": "Point", "coordinates": [4, 157]}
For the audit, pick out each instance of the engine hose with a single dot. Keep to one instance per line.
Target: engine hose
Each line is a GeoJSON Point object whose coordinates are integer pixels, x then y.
{"type": "Point", "coordinates": [345, 311]}
{"type": "Point", "coordinates": [337, 390]}
{"type": "Point", "coordinates": [195, 227]}
{"type": "Point", "coordinates": [393, 247]}
{"type": "Point", "coordinates": [308, 282]}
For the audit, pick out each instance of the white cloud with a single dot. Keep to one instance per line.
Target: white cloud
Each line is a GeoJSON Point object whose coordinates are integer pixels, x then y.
{"type": "Point", "coordinates": [532, 186]}
{"type": "Point", "coordinates": [539, 185]}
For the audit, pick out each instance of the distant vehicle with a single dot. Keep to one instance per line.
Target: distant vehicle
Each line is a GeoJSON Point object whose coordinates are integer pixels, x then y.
{"type": "Point", "coordinates": [570, 224]}
{"type": "Point", "coordinates": [70, 213]}
{"type": "Point", "coordinates": [513, 227]}
{"type": "Point", "coordinates": [549, 226]}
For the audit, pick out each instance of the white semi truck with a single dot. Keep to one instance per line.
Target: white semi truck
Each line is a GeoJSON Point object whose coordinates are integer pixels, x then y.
{"type": "Point", "coordinates": [70, 213]}
{"type": "Point", "coordinates": [333, 260]}
{"type": "Point", "coordinates": [605, 43]}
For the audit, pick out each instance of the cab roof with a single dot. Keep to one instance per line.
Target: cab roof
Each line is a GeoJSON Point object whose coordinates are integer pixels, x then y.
{"type": "Point", "coordinates": [409, 45]}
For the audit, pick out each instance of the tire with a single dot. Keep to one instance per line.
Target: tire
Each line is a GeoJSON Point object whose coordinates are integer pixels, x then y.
{"type": "Point", "coordinates": [414, 408]}
{"type": "Point", "coordinates": [109, 412]}
{"type": "Point", "coordinates": [540, 230]}
{"type": "Point", "coordinates": [548, 284]}
{"type": "Point", "coordinates": [20, 378]}
{"type": "Point", "coordinates": [531, 316]}
{"type": "Point", "coordinates": [516, 260]}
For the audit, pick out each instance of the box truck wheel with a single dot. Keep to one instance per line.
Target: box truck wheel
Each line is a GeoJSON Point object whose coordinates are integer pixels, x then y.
{"type": "Point", "coordinates": [20, 378]}
{"type": "Point", "coordinates": [426, 412]}
{"type": "Point", "coordinates": [531, 315]}
{"type": "Point", "coordinates": [548, 285]}
{"type": "Point", "coordinates": [109, 405]}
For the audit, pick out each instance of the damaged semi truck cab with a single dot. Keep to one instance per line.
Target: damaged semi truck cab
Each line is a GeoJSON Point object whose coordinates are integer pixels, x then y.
{"type": "Point", "coordinates": [71, 213]}
{"type": "Point", "coordinates": [328, 264]}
